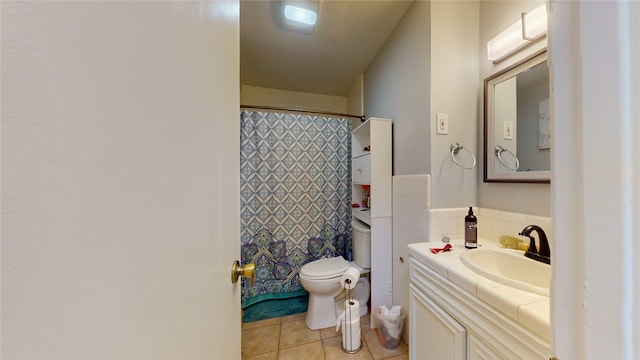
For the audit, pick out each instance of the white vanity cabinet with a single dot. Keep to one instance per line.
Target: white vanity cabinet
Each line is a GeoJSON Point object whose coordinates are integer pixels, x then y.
{"type": "Point", "coordinates": [436, 332]}
{"type": "Point", "coordinates": [448, 322]}
{"type": "Point", "coordinates": [371, 168]}
{"type": "Point", "coordinates": [477, 349]}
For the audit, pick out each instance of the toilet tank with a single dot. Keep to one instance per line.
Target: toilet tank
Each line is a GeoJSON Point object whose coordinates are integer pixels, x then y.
{"type": "Point", "coordinates": [361, 243]}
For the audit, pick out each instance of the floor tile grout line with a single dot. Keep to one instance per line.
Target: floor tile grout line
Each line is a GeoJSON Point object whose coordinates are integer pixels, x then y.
{"type": "Point", "coordinates": [279, 337]}
{"type": "Point", "coordinates": [299, 344]}
{"type": "Point", "coordinates": [324, 354]}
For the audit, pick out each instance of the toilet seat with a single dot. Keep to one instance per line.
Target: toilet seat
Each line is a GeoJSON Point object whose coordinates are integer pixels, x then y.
{"type": "Point", "coordinates": [325, 268]}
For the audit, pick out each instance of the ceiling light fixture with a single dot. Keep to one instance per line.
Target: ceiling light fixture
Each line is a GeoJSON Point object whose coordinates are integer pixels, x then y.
{"type": "Point", "coordinates": [300, 15]}
{"type": "Point", "coordinates": [530, 27]}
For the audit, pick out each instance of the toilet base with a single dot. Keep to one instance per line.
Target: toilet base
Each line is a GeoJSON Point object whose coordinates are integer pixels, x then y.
{"type": "Point", "coordinates": [321, 312]}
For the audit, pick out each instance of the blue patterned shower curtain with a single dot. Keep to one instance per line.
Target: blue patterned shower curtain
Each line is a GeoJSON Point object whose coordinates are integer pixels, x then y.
{"type": "Point", "coordinates": [295, 197]}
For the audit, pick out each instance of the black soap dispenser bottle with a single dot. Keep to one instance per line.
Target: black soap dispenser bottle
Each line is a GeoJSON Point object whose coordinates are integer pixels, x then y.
{"type": "Point", "coordinates": [470, 230]}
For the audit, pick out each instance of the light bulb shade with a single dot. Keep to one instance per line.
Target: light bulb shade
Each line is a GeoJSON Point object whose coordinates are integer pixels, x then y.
{"type": "Point", "coordinates": [535, 23]}
{"type": "Point", "coordinates": [507, 42]}
{"type": "Point", "coordinates": [300, 15]}
{"type": "Point", "coordinates": [531, 26]}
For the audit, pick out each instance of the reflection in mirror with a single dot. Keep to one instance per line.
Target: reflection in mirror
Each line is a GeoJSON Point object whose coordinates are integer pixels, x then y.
{"type": "Point", "coordinates": [517, 128]}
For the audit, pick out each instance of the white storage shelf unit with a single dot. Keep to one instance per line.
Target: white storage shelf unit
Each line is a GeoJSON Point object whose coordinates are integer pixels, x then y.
{"type": "Point", "coordinates": [373, 167]}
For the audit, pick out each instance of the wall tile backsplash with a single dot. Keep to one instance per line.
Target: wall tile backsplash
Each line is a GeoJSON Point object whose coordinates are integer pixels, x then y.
{"type": "Point", "coordinates": [491, 223]}
{"type": "Point", "coordinates": [415, 221]}
{"type": "Point", "coordinates": [411, 208]}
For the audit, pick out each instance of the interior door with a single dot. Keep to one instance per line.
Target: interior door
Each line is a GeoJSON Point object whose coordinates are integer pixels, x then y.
{"type": "Point", "coordinates": [120, 180]}
{"type": "Point", "coordinates": [225, 104]}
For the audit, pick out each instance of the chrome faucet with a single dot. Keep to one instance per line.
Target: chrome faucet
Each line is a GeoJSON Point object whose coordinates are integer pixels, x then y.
{"type": "Point", "coordinates": [543, 254]}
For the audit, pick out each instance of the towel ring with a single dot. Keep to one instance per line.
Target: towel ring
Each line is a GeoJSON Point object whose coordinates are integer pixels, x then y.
{"type": "Point", "coordinates": [499, 150]}
{"type": "Point", "coordinates": [455, 148]}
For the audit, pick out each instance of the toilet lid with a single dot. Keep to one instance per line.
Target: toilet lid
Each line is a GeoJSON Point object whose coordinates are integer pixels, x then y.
{"type": "Point", "coordinates": [325, 268]}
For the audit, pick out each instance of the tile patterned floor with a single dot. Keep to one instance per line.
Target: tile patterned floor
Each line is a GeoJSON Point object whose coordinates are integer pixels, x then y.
{"type": "Point", "coordinates": [289, 338]}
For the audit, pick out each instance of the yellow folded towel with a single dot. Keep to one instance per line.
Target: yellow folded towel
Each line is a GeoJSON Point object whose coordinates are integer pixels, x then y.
{"type": "Point", "coordinates": [513, 242]}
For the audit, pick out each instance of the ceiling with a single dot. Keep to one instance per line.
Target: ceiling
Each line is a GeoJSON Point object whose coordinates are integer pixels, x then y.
{"type": "Point", "coordinates": [347, 38]}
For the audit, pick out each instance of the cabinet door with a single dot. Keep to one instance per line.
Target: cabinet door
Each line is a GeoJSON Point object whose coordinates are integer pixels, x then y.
{"type": "Point", "coordinates": [434, 334]}
{"type": "Point", "coordinates": [478, 350]}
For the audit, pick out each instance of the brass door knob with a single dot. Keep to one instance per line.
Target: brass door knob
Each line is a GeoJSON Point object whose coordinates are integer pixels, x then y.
{"type": "Point", "coordinates": [248, 271]}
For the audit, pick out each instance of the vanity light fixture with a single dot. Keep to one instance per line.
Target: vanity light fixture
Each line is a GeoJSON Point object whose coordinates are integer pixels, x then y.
{"type": "Point", "coordinates": [530, 27]}
{"type": "Point", "coordinates": [300, 15]}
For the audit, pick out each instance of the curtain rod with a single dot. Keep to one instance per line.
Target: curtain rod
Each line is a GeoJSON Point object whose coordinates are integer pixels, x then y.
{"type": "Point", "coordinates": [361, 117]}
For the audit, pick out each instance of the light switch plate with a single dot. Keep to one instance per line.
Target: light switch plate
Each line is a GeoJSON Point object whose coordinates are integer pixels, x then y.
{"type": "Point", "coordinates": [442, 121]}
{"type": "Point", "coordinates": [508, 130]}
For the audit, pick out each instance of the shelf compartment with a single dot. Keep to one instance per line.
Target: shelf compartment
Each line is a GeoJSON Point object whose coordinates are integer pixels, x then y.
{"type": "Point", "coordinates": [361, 169]}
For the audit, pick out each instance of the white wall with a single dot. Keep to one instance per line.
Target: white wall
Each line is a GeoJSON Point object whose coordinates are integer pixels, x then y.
{"type": "Point", "coordinates": [533, 199]}
{"type": "Point", "coordinates": [455, 92]}
{"type": "Point", "coordinates": [112, 124]}
{"type": "Point", "coordinates": [596, 172]}
{"type": "Point", "coordinates": [355, 100]}
{"type": "Point", "coordinates": [407, 80]}
{"type": "Point", "coordinates": [429, 65]}
{"type": "Point", "coordinates": [354, 97]}
{"type": "Point", "coordinates": [396, 86]}
{"type": "Point", "coordinates": [260, 96]}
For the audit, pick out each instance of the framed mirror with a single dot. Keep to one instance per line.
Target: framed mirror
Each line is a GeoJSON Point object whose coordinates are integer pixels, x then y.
{"type": "Point", "coordinates": [517, 134]}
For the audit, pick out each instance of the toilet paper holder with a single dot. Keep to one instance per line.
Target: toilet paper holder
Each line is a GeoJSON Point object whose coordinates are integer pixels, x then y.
{"type": "Point", "coordinates": [350, 317]}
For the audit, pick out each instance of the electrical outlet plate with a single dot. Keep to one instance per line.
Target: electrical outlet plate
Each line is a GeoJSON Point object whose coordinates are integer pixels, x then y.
{"type": "Point", "coordinates": [442, 124]}
{"type": "Point", "coordinates": [508, 130]}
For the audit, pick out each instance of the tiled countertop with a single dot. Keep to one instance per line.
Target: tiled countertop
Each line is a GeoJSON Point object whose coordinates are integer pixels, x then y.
{"type": "Point", "coordinates": [528, 309]}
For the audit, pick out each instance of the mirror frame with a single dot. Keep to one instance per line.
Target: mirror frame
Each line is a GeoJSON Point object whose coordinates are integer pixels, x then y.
{"type": "Point", "coordinates": [489, 124]}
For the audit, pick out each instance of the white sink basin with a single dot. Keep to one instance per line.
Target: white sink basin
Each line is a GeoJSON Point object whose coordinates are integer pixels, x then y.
{"type": "Point", "coordinates": [509, 267]}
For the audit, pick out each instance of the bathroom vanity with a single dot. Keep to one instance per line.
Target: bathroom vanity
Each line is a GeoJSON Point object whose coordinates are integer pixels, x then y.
{"type": "Point", "coordinates": [457, 314]}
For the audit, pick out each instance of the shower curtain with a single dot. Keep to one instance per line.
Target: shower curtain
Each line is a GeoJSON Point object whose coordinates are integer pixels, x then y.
{"type": "Point", "coordinates": [295, 197]}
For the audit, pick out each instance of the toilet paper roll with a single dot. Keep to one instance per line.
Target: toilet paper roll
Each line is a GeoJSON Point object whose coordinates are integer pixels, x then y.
{"type": "Point", "coordinates": [351, 310]}
{"type": "Point", "coordinates": [350, 322]}
{"type": "Point", "coordinates": [351, 341]}
{"type": "Point", "coordinates": [350, 329]}
{"type": "Point", "coordinates": [350, 278]}
{"type": "Point", "coordinates": [350, 316]}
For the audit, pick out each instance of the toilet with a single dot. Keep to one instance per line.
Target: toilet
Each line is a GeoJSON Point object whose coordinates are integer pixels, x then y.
{"type": "Point", "coordinates": [321, 278]}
